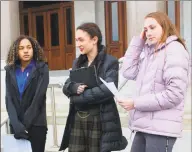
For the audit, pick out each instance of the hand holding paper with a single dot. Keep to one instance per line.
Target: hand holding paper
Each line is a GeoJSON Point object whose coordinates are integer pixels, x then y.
{"type": "Point", "coordinates": [127, 104]}
{"type": "Point", "coordinates": [111, 86]}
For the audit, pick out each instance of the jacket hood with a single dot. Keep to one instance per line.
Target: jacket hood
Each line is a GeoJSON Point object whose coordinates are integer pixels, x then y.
{"type": "Point", "coordinates": [162, 45]}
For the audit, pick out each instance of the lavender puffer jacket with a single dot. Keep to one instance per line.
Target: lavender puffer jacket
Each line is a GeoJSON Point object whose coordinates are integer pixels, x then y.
{"type": "Point", "coordinates": [162, 81]}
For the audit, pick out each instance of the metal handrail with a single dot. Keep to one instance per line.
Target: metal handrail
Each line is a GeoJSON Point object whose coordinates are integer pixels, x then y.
{"type": "Point", "coordinates": [6, 123]}
{"type": "Point", "coordinates": [125, 81]}
{"type": "Point", "coordinates": [60, 85]}
{"type": "Point", "coordinates": [55, 141]}
{"type": "Point", "coordinates": [51, 86]}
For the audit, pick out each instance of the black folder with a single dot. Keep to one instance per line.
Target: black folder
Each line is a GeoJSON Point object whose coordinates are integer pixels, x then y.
{"type": "Point", "coordinates": [85, 75]}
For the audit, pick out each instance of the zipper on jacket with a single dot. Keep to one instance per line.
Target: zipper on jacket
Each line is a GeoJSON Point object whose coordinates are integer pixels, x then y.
{"type": "Point", "coordinates": [146, 65]}
{"type": "Point", "coordinates": [167, 144]}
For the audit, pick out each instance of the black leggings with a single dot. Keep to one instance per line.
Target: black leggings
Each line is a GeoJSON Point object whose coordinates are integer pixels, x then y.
{"type": "Point", "coordinates": [144, 142]}
{"type": "Point", "coordinates": [37, 137]}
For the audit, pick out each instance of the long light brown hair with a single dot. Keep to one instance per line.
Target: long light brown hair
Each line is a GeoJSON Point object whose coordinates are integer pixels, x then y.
{"type": "Point", "coordinates": [168, 27]}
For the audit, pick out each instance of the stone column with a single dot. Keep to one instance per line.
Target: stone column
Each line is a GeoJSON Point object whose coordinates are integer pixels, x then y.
{"type": "Point", "coordinates": [136, 11]}
{"type": "Point", "coordinates": [9, 26]}
{"type": "Point", "coordinates": [9, 32]}
{"type": "Point", "coordinates": [100, 17]}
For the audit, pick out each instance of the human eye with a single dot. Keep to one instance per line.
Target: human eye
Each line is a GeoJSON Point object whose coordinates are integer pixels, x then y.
{"type": "Point", "coordinates": [29, 47]}
{"type": "Point", "coordinates": [20, 48]}
{"type": "Point", "coordinates": [152, 27]}
{"type": "Point", "coordinates": [81, 40]}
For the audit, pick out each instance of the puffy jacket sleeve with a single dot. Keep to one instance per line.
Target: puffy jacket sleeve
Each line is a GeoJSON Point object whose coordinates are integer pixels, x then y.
{"type": "Point", "coordinates": [70, 88]}
{"type": "Point", "coordinates": [101, 93]}
{"type": "Point", "coordinates": [130, 66]}
{"type": "Point", "coordinates": [175, 76]}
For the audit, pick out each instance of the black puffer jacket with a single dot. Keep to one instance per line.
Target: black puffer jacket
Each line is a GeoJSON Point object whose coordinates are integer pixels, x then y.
{"type": "Point", "coordinates": [107, 68]}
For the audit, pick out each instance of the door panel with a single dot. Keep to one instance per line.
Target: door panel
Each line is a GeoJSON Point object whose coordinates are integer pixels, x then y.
{"type": "Point", "coordinates": [56, 54]}
{"type": "Point", "coordinates": [39, 31]}
{"type": "Point", "coordinates": [69, 36]}
{"type": "Point", "coordinates": [116, 28]}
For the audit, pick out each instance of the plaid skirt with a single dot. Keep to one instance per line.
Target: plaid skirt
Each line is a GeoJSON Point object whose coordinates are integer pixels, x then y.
{"type": "Point", "coordinates": [85, 133]}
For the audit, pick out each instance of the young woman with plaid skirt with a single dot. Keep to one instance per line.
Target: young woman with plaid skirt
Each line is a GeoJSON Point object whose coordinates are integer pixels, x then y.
{"type": "Point", "coordinates": [93, 123]}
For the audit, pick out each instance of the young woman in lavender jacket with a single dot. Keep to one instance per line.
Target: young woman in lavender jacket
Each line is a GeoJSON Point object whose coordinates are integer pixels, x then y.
{"type": "Point", "coordinates": [159, 62]}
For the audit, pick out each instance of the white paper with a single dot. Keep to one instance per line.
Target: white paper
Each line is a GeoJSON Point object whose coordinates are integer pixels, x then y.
{"type": "Point", "coordinates": [111, 86]}
{"type": "Point", "coordinates": [10, 144]}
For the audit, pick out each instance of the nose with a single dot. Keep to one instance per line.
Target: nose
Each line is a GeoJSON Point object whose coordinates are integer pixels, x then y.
{"type": "Point", "coordinates": [25, 50]}
{"type": "Point", "coordinates": [148, 34]}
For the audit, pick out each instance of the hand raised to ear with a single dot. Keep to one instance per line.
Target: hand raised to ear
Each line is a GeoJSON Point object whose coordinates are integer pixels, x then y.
{"type": "Point", "coordinates": [143, 35]}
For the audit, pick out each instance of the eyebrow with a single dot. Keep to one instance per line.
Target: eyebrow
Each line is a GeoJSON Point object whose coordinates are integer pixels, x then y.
{"type": "Point", "coordinates": [23, 46]}
{"type": "Point", "coordinates": [149, 26]}
{"type": "Point", "coordinates": [78, 38]}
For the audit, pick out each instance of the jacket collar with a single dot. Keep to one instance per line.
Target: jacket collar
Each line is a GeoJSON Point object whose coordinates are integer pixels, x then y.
{"type": "Point", "coordinates": [39, 64]}
{"type": "Point", "coordinates": [11, 70]}
{"type": "Point", "coordinates": [99, 60]}
{"type": "Point", "coordinates": [162, 45]}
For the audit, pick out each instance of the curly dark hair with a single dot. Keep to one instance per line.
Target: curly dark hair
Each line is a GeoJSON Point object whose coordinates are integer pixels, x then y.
{"type": "Point", "coordinates": [93, 30]}
{"type": "Point", "coordinates": [38, 53]}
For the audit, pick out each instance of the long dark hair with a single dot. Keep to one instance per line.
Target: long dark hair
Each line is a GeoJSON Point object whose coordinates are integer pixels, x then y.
{"type": "Point", "coordinates": [38, 54]}
{"type": "Point", "coordinates": [93, 30]}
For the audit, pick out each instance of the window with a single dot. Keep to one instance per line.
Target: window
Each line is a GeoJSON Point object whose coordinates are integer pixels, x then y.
{"type": "Point", "coordinates": [180, 14]}
{"type": "Point", "coordinates": [40, 29]}
{"type": "Point", "coordinates": [54, 29]}
{"type": "Point", "coordinates": [115, 27]}
{"type": "Point", "coordinates": [69, 25]}
{"type": "Point", "coordinates": [173, 11]}
{"type": "Point", "coordinates": [26, 25]}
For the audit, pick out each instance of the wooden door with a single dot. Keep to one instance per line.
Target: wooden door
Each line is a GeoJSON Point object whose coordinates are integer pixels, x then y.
{"type": "Point", "coordinates": [116, 28]}
{"type": "Point", "coordinates": [56, 54]}
{"type": "Point", "coordinates": [53, 27]}
{"type": "Point", "coordinates": [46, 29]}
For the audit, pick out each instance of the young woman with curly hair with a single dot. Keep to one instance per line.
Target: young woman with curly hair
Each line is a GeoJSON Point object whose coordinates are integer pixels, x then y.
{"type": "Point", "coordinates": [27, 79]}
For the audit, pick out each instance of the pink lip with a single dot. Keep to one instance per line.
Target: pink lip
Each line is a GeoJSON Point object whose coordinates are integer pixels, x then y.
{"type": "Point", "coordinates": [81, 50]}
{"type": "Point", "coordinates": [151, 38]}
{"type": "Point", "coordinates": [26, 56]}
